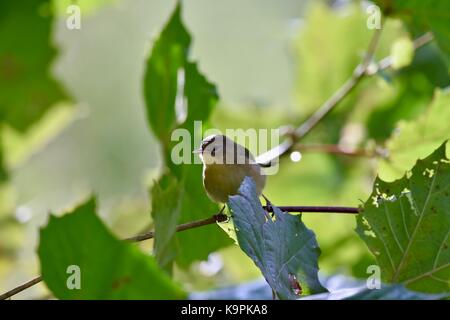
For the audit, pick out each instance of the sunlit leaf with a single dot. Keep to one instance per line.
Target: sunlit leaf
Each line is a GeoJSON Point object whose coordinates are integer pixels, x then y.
{"type": "Point", "coordinates": [416, 139]}
{"type": "Point", "coordinates": [402, 52]}
{"type": "Point", "coordinates": [108, 268]}
{"type": "Point", "coordinates": [406, 225]}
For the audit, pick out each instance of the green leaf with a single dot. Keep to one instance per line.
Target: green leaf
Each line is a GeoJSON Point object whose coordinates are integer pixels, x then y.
{"type": "Point", "coordinates": [176, 95]}
{"type": "Point", "coordinates": [164, 67]}
{"type": "Point", "coordinates": [166, 202]}
{"type": "Point", "coordinates": [109, 268]}
{"type": "Point", "coordinates": [406, 225]}
{"type": "Point", "coordinates": [421, 16]}
{"type": "Point", "coordinates": [283, 248]}
{"type": "Point", "coordinates": [25, 57]}
{"type": "Point", "coordinates": [418, 138]}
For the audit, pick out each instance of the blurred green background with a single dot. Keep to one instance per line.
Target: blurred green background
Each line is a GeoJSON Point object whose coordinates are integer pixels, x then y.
{"type": "Point", "coordinates": [274, 62]}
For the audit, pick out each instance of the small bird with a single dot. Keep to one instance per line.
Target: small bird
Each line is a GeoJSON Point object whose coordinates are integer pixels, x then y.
{"type": "Point", "coordinates": [225, 165]}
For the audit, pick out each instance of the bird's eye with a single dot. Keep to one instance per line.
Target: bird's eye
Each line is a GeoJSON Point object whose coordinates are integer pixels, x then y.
{"type": "Point", "coordinates": [207, 143]}
{"type": "Point", "coordinates": [213, 152]}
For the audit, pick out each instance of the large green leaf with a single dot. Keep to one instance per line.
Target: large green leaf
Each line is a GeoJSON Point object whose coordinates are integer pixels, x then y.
{"type": "Point", "coordinates": [421, 16]}
{"type": "Point", "coordinates": [416, 139]}
{"type": "Point", "coordinates": [406, 225]}
{"type": "Point", "coordinates": [109, 268]}
{"type": "Point", "coordinates": [283, 248]}
{"type": "Point", "coordinates": [176, 95]}
{"type": "Point", "coordinates": [26, 52]}
{"type": "Point", "coordinates": [167, 59]}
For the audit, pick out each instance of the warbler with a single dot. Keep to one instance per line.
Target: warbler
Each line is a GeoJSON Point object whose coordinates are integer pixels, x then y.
{"type": "Point", "coordinates": [225, 165]}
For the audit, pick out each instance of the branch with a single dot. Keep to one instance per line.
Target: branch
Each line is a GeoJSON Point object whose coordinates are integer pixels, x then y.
{"type": "Point", "coordinates": [186, 226]}
{"type": "Point", "coordinates": [20, 288]}
{"type": "Point", "coordinates": [223, 217]}
{"type": "Point", "coordinates": [364, 69]}
{"type": "Point", "coordinates": [387, 62]}
{"type": "Point", "coordinates": [343, 91]}
{"type": "Point", "coordinates": [199, 223]}
{"type": "Point", "coordinates": [333, 148]}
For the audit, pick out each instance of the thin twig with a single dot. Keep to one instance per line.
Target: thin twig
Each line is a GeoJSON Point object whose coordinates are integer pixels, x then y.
{"type": "Point", "coordinates": [387, 62]}
{"type": "Point", "coordinates": [181, 227]}
{"type": "Point", "coordinates": [332, 148]}
{"type": "Point", "coordinates": [315, 209]}
{"type": "Point", "coordinates": [223, 217]}
{"type": "Point", "coordinates": [361, 71]}
{"type": "Point", "coordinates": [20, 288]}
{"type": "Point", "coordinates": [343, 91]}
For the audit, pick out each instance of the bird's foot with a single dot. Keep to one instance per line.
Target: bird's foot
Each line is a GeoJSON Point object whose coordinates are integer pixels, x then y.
{"type": "Point", "coordinates": [222, 217]}
{"type": "Point", "coordinates": [269, 207]}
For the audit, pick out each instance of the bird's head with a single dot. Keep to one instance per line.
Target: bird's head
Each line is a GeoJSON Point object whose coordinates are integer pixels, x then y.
{"type": "Point", "coordinates": [221, 149]}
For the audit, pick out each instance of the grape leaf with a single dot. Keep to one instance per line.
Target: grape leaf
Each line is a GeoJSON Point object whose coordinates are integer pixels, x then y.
{"type": "Point", "coordinates": [27, 89]}
{"type": "Point", "coordinates": [406, 225]}
{"type": "Point", "coordinates": [418, 138]}
{"type": "Point", "coordinates": [109, 268]}
{"type": "Point", "coordinates": [177, 95]}
{"type": "Point", "coordinates": [283, 248]}
{"type": "Point", "coordinates": [421, 16]}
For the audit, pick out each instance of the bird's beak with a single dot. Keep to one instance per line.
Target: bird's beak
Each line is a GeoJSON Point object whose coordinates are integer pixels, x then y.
{"type": "Point", "coordinates": [197, 151]}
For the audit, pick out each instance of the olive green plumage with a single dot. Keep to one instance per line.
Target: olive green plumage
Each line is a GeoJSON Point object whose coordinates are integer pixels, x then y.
{"type": "Point", "coordinates": [225, 165]}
